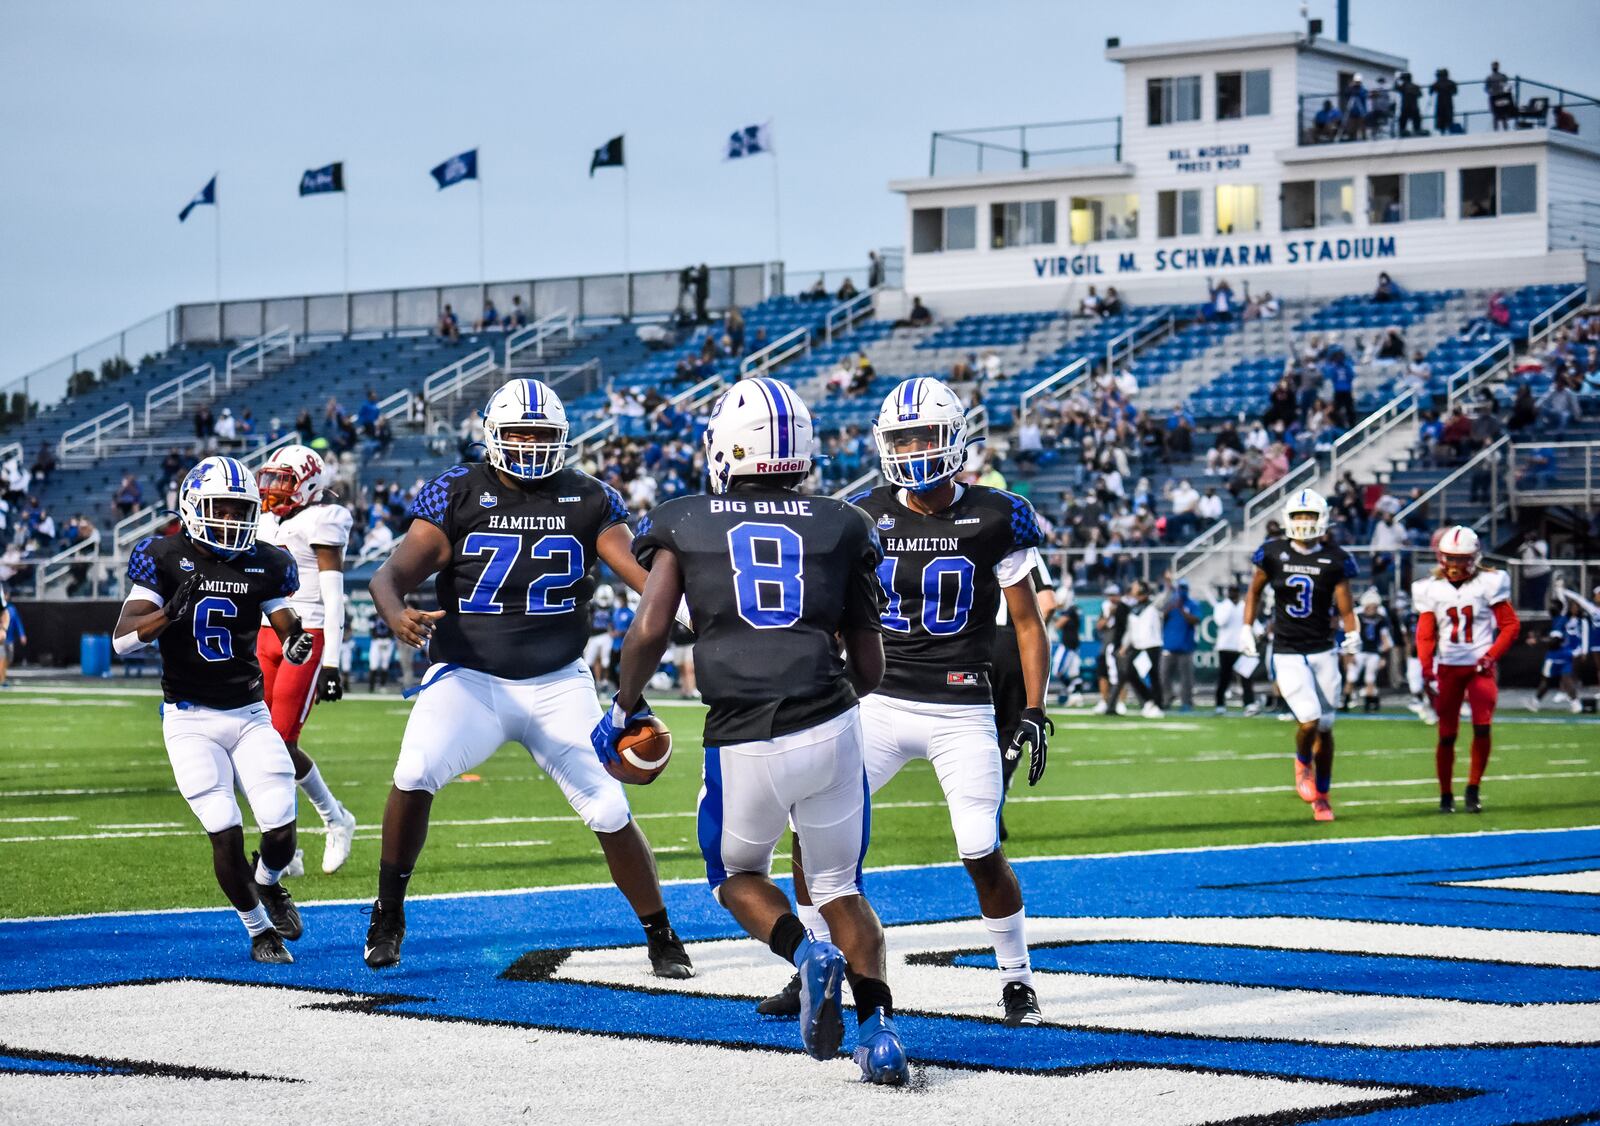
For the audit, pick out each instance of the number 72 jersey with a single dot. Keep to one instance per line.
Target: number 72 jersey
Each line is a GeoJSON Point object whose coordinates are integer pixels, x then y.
{"type": "Point", "coordinates": [1463, 616]}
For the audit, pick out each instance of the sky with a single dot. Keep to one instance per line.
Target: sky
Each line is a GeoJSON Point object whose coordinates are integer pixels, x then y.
{"type": "Point", "coordinates": [113, 114]}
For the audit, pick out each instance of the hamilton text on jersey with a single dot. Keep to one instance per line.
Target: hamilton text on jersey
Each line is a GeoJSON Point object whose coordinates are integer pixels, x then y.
{"type": "Point", "coordinates": [528, 523]}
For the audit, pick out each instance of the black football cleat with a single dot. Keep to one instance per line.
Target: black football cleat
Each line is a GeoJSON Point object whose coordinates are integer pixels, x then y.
{"type": "Point", "coordinates": [268, 947]}
{"type": "Point", "coordinates": [668, 958]}
{"type": "Point", "coordinates": [1447, 803]}
{"type": "Point", "coordinates": [784, 1003]}
{"type": "Point", "coordinates": [384, 935]}
{"type": "Point", "coordinates": [1021, 1004]}
{"type": "Point", "coordinates": [1473, 804]}
{"type": "Point", "coordinates": [281, 910]}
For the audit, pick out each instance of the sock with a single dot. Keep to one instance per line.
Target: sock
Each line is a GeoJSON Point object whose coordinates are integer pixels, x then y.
{"type": "Point", "coordinates": [812, 918]}
{"type": "Point", "coordinates": [255, 920]}
{"type": "Point", "coordinates": [654, 922]}
{"type": "Point", "coordinates": [1444, 762]}
{"type": "Point", "coordinates": [1324, 769]}
{"type": "Point", "coordinates": [1480, 757]}
{"type": "Point", "coordinates": [322, 799]}
{"type": "Point", "coordinates": [787, 935]}
{"type": "Point", "coordinates": [1303, 757]}
{"type": "Point", "coordinates": [870, 995]}
{"type": "Point", "coordinates": [267, 876]}
{"type": "Point", "coordinates": [392, 882]}
{"type": "Point", "coordinates": [1010, 947]}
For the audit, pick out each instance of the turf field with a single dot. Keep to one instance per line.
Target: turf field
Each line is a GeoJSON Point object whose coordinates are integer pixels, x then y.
{"type": "Point", "coordinates": [90, 820]}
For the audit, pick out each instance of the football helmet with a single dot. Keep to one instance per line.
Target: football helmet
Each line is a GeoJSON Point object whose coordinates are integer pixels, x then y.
{"type": "Point", "coordinates": [1458, 552]}
{"type": "Point", "coordinates": [1305, 516]}
{"type": "Point", "coordinates": [525, 430]}
{"type": "Point", "coordinates": [605, 596]}
{"type": "Point", "coordinates": [758, 427]}
{"type": "Point", "coordinates": [219, 505]}
{"type": "Point", "coordinates": [921, 433]}
{"type": "Point", "coordinates": [290, 479]}
{"type": "Point", "coordinates": [1371, 601]}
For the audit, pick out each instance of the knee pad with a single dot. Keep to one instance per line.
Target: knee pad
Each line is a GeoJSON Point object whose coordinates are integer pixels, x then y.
{"type": "Point", "coordinates": [977, 830]}
{"type": "Point", "coordinates": [825, 887]}
{"type": "Point", "coordinates": [606, 811]}
{"type": "Point", "coordinates": [1326, 722]}
{"type": "Point", "coordinates": [273, 806]}
{"type": "Point", "coordinates": [411, 772]}
{"type": "Point", "coordinates": [216, 809]}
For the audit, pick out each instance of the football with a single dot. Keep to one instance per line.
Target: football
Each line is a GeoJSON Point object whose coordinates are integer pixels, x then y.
{"type": "Point", "coordinates": [645, 747]}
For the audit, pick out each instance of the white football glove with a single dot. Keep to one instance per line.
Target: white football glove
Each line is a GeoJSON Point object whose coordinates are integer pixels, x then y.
{"type": "Point", "coordinates": [1247, 642]}
{"type": "Point", "coordinates": [1351, 645]}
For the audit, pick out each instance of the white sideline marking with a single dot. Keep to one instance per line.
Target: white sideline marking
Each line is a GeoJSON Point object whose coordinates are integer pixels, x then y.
{"type": "Point", "coordinates": [26, 820]}
{"type": "Point", "coordinates": [501, 844]}
{"type": "Point", "coordinates": [1576, 883]}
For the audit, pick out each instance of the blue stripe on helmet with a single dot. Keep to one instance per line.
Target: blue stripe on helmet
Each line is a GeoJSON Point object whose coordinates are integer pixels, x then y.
{"type": "Point", "coordinates": [785, 426]}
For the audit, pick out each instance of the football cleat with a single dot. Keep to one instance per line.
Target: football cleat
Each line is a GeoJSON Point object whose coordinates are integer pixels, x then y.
{"type": "Point", "coordinates": [384, 935]}
{"type": "Point", "coordinates": [1473, 804]}
{"type": "Point", "coordinates": [879, 1052]}
{"type": "Point", "coordinates": [1021, 1004]}
{"type": "Point", "coordinates": [821, 966]}
{"type": "Point", "coordinates": [1533, 703]}
{"type": "Point", "coordinates": [1321, 810]}
{"type": "Point", "coordinates": [1152, 710]}
{"type": "Point", "coordinates": [297, 866]}
{"type": "Point", "coordinates": [1304, 781]}
{"type": "Point", "coordinates": [1101, 708]}
{"type": "Point", "coordinates": [1447, 803]}
{"type": "Point", "coordinates": [281, 910]}
{"type": "Point", "coordinates": [1252, 709]}
{"type": "Point", "coordinates": [268, 947]}
{"type": "Point", "coordinates": [1576, 706]}
{"type": "Point", "coordinates": [336, 847]}
{"type": "Point", "coordinates": [668, 958]}
{"type": "Point", "coordinates": [784, 1003]}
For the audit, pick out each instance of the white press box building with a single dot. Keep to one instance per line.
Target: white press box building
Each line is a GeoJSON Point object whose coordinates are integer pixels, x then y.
{"type": "Point", "coordinates": [1217, 168]}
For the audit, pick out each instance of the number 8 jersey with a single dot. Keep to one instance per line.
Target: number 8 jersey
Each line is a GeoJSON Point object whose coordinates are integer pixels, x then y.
{"type": "Point", "coordinates": [514, 594]}
{"type": "Point", "coordinates": [1463, 616]}
{"type": "Point", "coordinates": [1302, 584]}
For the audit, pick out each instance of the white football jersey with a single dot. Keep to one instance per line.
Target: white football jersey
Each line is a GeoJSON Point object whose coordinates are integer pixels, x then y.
{"type": "Point", "coordinates": [1463, 615]}
{"type": "Point", "coordinates": [300, 533]}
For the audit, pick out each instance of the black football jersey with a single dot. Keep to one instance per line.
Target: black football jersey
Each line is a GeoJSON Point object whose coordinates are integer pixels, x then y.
{"type": "Point", "coordinates": [209, 658]}
{"type": "Point", "coordinates": [516, 591]}
{"type": "Point", "coordinates": [1070, 629]}
{"type": "Point", "coordinates": [1374, 633]}
{"type": "Point", "coordinates": [1302, 588]}
{"type": "Point", "coordinates": [771, 577]}
{"type": "Point", "coordinates": [942, 594]}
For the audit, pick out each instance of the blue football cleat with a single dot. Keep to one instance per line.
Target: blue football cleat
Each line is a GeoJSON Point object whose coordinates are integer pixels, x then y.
{"type": "Point", "coordinates": [879, 1052]}
{"type": "Point", "coordinates": [821, 967]}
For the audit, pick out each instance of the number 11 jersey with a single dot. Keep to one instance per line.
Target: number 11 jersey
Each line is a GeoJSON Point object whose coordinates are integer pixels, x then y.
{"type": "Point", "coordinates": [1463, 615]}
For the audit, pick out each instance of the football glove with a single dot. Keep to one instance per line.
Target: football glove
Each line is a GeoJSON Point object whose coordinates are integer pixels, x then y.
{"type": "Point", "coordinates": [178, 605]}
{"type": "Point", "coordinates": [1033, 732]}
{"type": "Point", "coordinates": [612, 724]}
{"type": "Point", "coordinates": [1351, 645]}
{"type": "Point", "coordinates": [1247, 642]}
{"type": "Point", "coordinates": [330, 684]}
{"type": "Point", "coordinates": [1430, 682]}
{"type": "Point", "coordinates": [1486, 667]}
{"type": "Point", "coordinates": [297, 649]}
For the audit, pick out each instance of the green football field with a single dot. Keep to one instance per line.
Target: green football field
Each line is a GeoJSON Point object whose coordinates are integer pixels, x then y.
{"type": "Point", "coordinates": [90, 820]}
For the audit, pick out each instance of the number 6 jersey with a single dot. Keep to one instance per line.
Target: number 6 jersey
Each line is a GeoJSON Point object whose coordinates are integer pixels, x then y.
{"type": "Point", "coordinates": [1463, 616]}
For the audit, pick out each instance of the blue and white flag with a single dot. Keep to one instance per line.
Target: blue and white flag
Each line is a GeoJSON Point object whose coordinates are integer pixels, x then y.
{"type": "Point", "coordinates": [207, 194]}
{"type": "Point", "coordinates": [749, 141]}
{"type": "Point", "coordinates": [457, 168]}
{"type": "Point", "coordinates": [319, 180]}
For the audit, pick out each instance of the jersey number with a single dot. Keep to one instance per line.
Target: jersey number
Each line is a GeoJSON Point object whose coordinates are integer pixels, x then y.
{"type": "Point", "coordinates": [768, 573]}
{"type": "Point", "coordinates": [1301, 586]}
{"type": "Point", "coordinates": [502, 550]}
{"type": "Point", "coordinates": [938, 619]}
{"type": "Point", "coordinates": [215, 642]}
{"type": "Point", "coordinates": [1460, 625]}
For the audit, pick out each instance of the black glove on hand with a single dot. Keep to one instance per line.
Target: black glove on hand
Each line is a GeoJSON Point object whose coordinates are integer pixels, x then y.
{"type": "Point", "coordinates": [297, 649]}
{"type": "Point", "coordinates": [178, 605]}
{"type": "Point", "coordinates": [330, 684]}
{"type": "Point", "coordinates": [1033, 732]}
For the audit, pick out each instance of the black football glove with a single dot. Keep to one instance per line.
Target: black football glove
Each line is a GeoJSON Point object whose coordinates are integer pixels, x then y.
{"type": "Point", "coordinates": [330, 684]}
{"type": "Point", "coordinates": [1033, 732]}
{"type": "Point", "coordinates": [182, 599]}
{"type": "Point", "coordinates": [297, 649]}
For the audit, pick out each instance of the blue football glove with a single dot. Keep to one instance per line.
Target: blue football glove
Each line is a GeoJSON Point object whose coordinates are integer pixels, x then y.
{"type": "Point", "coordinates": [610, 728]}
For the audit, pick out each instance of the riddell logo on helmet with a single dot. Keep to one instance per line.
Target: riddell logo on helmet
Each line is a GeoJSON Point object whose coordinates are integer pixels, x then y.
{"type": "Point", "coordinates": [779, 467]}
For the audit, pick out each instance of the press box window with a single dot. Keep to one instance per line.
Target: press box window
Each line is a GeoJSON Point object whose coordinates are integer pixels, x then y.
{"type": "Point", "coordinates": [1171, 100]}
{"type": "Point", "coordinates": [1238, 208]}
{"type": "Point", "coordinates": [935, 229]}
{"type": "Point", "coordinates": [1177, 213]}
{"type": "Point", "coordinates": [1104, 217]}
{"type": "Point", "coordinates": [1245, 93]}
{"type": "Point", "coordinates": [1393, 198]}
{"type": "Point", "coordinates": [1022, 224]}
{"type": "Point", "coordinates": [1519, 189]}
{"type": "Point", "coordinates": [1513, 190]}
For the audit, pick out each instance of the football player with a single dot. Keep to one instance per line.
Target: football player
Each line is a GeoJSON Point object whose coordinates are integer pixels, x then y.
{"type": "Point", "coordinates": [1465, 624]}
{"type": "Point", "coordinates": [1376, 642]}
{"type": "Point", "coordinates": [952, 553]}
{"type": "Point", "coordinates": [1310, 580]}
{"type": "Point", "coordinates": [202, 591]}
{"type": "Point", "coordinates": [300, 517]}
{"type": "Point", "coordinates": [597, 650]}
{"type": "Point", "coordinates": [774, 580]}
{"type": "Point", "coordinates": [1420, 704]}
{"type": "Point", "coordinates": [1563, 643]}
{"type": "Point", "coordinates": [513, 542]}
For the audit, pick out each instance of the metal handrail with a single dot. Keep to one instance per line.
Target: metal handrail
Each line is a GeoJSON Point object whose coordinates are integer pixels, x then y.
{"type": "Point", "coordinates": [977, 424]}
{"type": "Point", "coordinates": [534, 335]}
{"type": "Point", "coordinates": [176, 388]}
{"type": "Point", "coordinates": [1478, 370]}
{"type": "Point", "coordinates": [1396, 411]}
{"type": "Point", "coordinates": [9, 450]}
{"type": "Point", "coordinates": [1487, 452]}
{"type": "Point", "coordinates": [1591, 448]}
{"type": "Point", "coordinates": [1557, 314]}
{"type": "Point", "coordinates": [119, 417]}
{"type": "Point", "coordinates": [450, 379]}
{"type": "Point", "coordinates": [58, 565]}
{"type": "Point", "coordinates": [1267, 498]}
{"type": "Point", "coordinates": [1201, 545]}
{"type": "Point", "coordinates": [1131, 340]}
{"type": "Point", "coordinates": [397, 405]}
{"type": "Point", "coordinates": [765, 359]}
{"type": "Point", "coordinates": [256, 352]}
{"type": "Point", "coordinates": [847, 313]}
{"type": "Point", "coordinates": [845, 492]}
{"type": "Point", "coordinates": [1081, 376]}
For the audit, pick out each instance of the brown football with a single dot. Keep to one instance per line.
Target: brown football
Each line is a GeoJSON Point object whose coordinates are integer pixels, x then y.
{"type": "Point", "coordinates": [645, 747]}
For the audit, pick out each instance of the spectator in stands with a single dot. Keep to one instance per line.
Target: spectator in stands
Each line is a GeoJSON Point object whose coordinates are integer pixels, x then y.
{"type": "Point", "coordinates": [1325, 126]}
{"type": "Point", "coordinates": [1559, 406]}
{"type": "Point", "coordinates": [367, 414]}
{"type": "Point", "coordinates": [379, 538]}
{"type": "Point", "coordinates": [1482, 476]}
{"type": "Point", "coordinates": [1225, 451]}
{"type": "Point", "coordinates": [1220, 303]}
{"type": "Point", "coordinates": [919, 316]}
{"type": "Point", "coordinates": [1274, 466]}
{"type": "Point", "coordinates": [863, 376]}
{"type": "Point", "coordinates": [449, 327]}
{"type": "Point", "coordinates": [304, 427]}
{"type": "Point", "coordinates": [1209, 507]}
{"type": "Point", "coordinates": [817, 291]}
{"type": "Point", "coordinates": [1381, 107]}
{"type": "Point", "coordinates": [1089, 306]}
{"type": "Point", "coordinates": [489, 318]}
{"type": "Point", "coordinates": [41, 524]}
{"type": "Point", "coordinates": [205, 426]}
{"type": "Point", "coordinates": [1341, 372]}
{"type": "Point", "coordinates": [1357, 107]}
{"type": "Point", "coordinates": [1184, 500]}
{"type": "Point", "coordinates": [842, 376]}
{"type": "Point", "coordinates": [1534, 569]}
{"type": "Point", "coordinates": [1430, 436]}
{"type": "Point", "coordinates": [44, 462]}
{"type": "Point", "coordinates": [1111, 303]}
{"type": "Point", "coordinates": [847, 289]}
{"type": "Point", "coordinates": [129, 495]}
{"type": "Point", "coordinates": [1444, 101]}
{"type": "Point", "coordinates": [172, 465]}
{"type": "Point", "coordinates": [1388, 542]}
{"type": "Point", "coordinates": [1391, 347]}
{"type": "Point", "coordinates": [991, 366]}
{"type": "Point", "coordinates": [1029, 444]}
{"type": "Point", "coordinates": [1565, 122]}
{"type": "Point", "coordinates": [381, 438]}
{"type": "Point", "coordinates": [1410, 105]}
{"type": "Point", "coordinates": [702, 293]}
{"type": "Point", "coordinates": [1386, 290]}
{"type": "Point", "coordinates": [227, 429]}
{"type": "Point", "coordinates": [1457, 436]}
{"type": "Point", "coordinates": [1497, 88]}
{"type": "Point", "coordinates": [1524, 410]}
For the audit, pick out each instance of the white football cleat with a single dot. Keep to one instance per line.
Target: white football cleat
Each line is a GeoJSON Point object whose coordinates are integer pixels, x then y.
{"type": "Point", "coordinates": [336, 849]}
{"type": "Point", "coordinates": [1152, 710]}
{"type": "Point", "coordinates": [1576, 707]}
{"type": "Point", "coordinates": [1075, 700]}
{"type": "Point", "coordinates": [1100, 708]}
{"type": "Point", "coordinates": [297, 866]}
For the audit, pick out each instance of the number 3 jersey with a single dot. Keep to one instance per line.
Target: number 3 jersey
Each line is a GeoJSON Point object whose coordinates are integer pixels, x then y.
{"type": "Point", "coordinates": [771, 577]}
{"type": "Point", "coordinates": [1302, 584]}
{"type": "Point", "coordinates": [515, 593]}
{"type": "Point", "coordinates": [209, 658]}
{"type": "Point", "coordinates": [1463, 616]}
{"type": "Point", "coordinates": [942, 574]}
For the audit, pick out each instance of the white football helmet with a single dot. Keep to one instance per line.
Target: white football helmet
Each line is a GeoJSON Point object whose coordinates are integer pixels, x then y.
{"type": "Point", "coordinates": [758, 427]}
{"type": "Point", "coordinates": [1458, 551]}
{"type": "Point", "coordinates": [1305, 516]}
{"type": "Point", "coordinates": [290, 479]}
{"type": "Point", "coordinates": [605, 596]}
{"type": "Point", "coordinates": [926, 418]}
{"type": "Point", "coordinates": [525, 430]}
{"type": "Point", "coordinates": [1371, 601]}
{"type": "Point", "coordinates": [219, 505]}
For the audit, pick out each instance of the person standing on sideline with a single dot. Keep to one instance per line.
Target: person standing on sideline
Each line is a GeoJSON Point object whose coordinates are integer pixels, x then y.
{"type": "Point", "coordinates": [1143, 639]}
{"type": "Point", "coordinates": [1228, 614]}
{"type": "Point", "coordinates": [1180, 614]}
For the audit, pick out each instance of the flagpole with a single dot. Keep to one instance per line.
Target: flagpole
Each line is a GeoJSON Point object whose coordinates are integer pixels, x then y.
{"type": "Point", "coordinates": [627, 257]}
{"type": "Point", "coordinates": [483, 274]}
{"type": "Point", "coordinates": [216, 228]}
{"type": "Point", "coordinates": [777, 215]}
{"type": "Point", "coordinates": [344, 194]}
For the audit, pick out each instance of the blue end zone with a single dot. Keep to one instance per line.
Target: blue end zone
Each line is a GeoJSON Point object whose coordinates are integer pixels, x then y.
{"type": "Point", "coordinates": [458, 948]}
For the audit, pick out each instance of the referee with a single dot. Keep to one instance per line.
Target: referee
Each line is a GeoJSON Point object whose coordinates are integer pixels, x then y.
{"type": "Point", "coordinates": [1005, 674]}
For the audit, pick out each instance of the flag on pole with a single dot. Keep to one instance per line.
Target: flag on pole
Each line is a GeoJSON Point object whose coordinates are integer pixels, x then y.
{"type": "Point", "coordinates": [749, 141]}
{"type": "Point", "coordinates": [608, 155]}
{"type": "Point", "coordinates": [456, 169]}
{"type": "Point", "coordinates": [207, 194]}
{"type": "Point", "coordinates": [319, 180]}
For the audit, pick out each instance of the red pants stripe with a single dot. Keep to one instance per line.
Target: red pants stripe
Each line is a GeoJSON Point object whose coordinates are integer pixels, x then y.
{"type": "Point", "coordinates": [289, 690]}
{"type": "Point", "coordinates": [1458, 683]}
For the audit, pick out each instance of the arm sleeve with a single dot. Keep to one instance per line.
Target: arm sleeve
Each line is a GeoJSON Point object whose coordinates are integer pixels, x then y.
{"type": "Point", "coordinates": [1426, 636]}
{"type": "Point", "coordinates": [863, 598]}
{"type": "Point", "coordinates": [1507, 627]}
{"type": "Point", "coordinates": [331, 584]}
